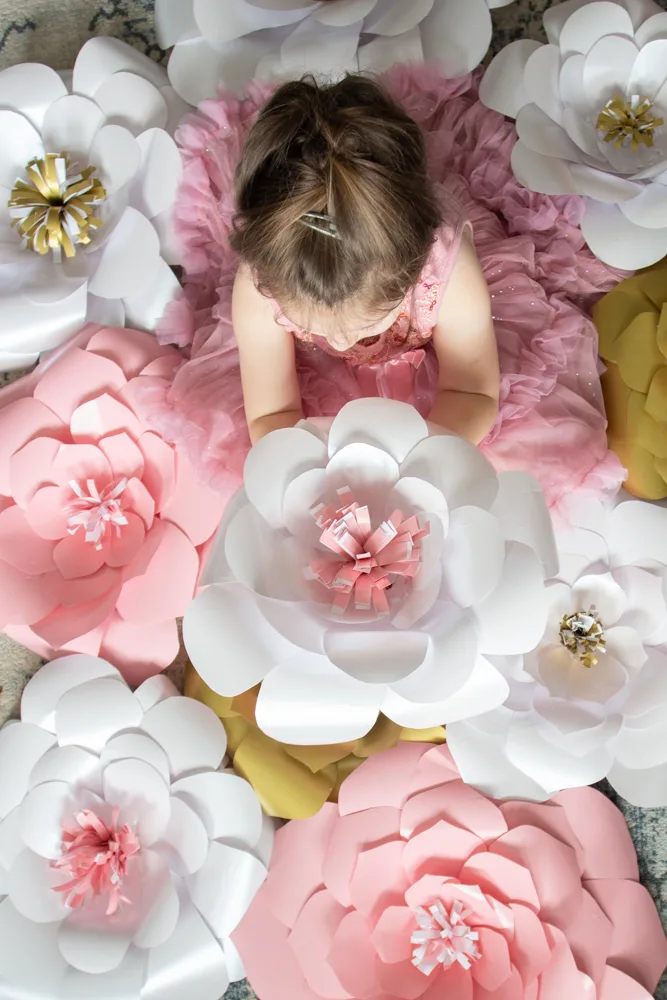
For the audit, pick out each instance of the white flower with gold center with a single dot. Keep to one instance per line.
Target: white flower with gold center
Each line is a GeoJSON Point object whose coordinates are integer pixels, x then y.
{"type": "Point", "coordinates": [591, 700]}
{"type": "Point", "coordinates": [88, 177]}
{"type": "Point", "coordinates": [231, 42]}
{"type": "Point", "coordinates": [591, 115]}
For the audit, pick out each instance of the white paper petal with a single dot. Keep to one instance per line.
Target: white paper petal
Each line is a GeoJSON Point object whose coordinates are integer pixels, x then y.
{"type": "Point", "coordinates": [160, 923]}
{"type": "Point", "coordinates": [190, 964]}
{"type": "Point", "coordinates": [588, 24]}
{"type": "Point", "coordinates": [241, 874]}
{"type": "Point", "coordinates": [189, 732]}
{"type": "Point", "coordinates": [374, 656]}
{"type": "Point", "coordinates": [21, 143]}
{"type": "Point", "coordinates": [602, 592]}
{"type": "Point", "coordinates": [314, 47]}
{"type": "Point", "coordinates": [157, 183]}
{"type": "Point", "coordinates": [123, 983]}
{"type": "Point", "coordinates": [301, 495]}
{"type": "Point", "coordinates": [154, 690]}
{"type": "Point", "coordinates": [90, 714]}
{"type": "Point", "coordinates": [41, 815]}
{"type": "Point", "coordinates": [523, 515]}
{"type": "Point", "coordinates": [346, 12]}
{"type": "Point", "coordinates": [541, 79]}
{"type": "Point", "coordinates": [473, 556]}
{"type": "Point", "coordinates": [644, 788]}
{"type": "Point", "coordinates": [308, 701]}
{"type": "Point", "coordinates": [617, 241]}
{"type": "Point", "coordinates": [256, 557]}
{"type": "Point", "coordinates": [457, 35]}
{"type": "Point", "coordinates": [383, 52]}
{"type": "Point", "coordinates": [220, 25]}
{"type": "Point", "coordinates": [647, 695]}
{"type": "Point", "coordinates": [503, 88]}
{"type": "Point", "coordinates": [22, 940]}
{"type": "Point", "coordinates": [90, 949]}
{"type": "Point", "coordinates": [30, 88]}
{"type": "Point", "coordinates": [456, 468]}
{"type": "Point", "coordinates": [393, 427]}
{"type": "Point", "coordinates": [541, 134]}
{"type": "Point", "coordinates": [129, 258]}
{"type": "Point", "coordinates": [449, 662]}
{"type": "Point", "coordinates": [116, 155]}
{"type": "Point", "coordinates": [144, 309]}
{"type": "Point", "coordinates": [549, 765]}
{"type": "Point", "coordinates": [607, 68]}
{"type": "Point", "coordinates": [544, 174]}
{"type": "Point", "coordinates": [368, 471]}
{"type": "Point", "coordinates": [512, 619]}
{"type": "Point", "coordinates": [136, 747]}
{"type": "Point", "coordinates": [142, 796]}
{"type": "Point", "coordinates": [226, 804]}
{"type": "Point", "coordinates": [604, 187]}
{"type": "Point", "coordinates": [226, 619]}
{"type": "Point", "coordinates": [648, 209]}
{"type": "Point", "coordinates": [71, 124]}
{"type": "Point", "coordinates": [484, 690]}
{"type": "Point", "coordinates": [11, 839]}
{"type": "Point", "coordinates": [21, 747]}
{"type": "Point", "coordinates": [636, 533]}
{"type": "Point", "coordinates": [649, 71]}
{"type": "Point", "coordinates": [31, 889]}
{"type": "Point", "coordinates": [652, 28]}
{"type": "Point", "coordinates": [102, 56]}
{"type": "Point", "coordinates": [196, 70]}
{"type": "Point", "coordinates": [396, 19]}
{"type": "Point", "coordinates": [71, 764]}
{"type": "Point", "coordinates": [640, 747]}
{"type": "Point", "coordinates": [131, 101]}
{"type": "Point", "coordinates": [274, 462]}
{"type": "Point", "coordinates": [174, 22]}
{"type": "Point", "coordinates": [184, 841]}
{"type": "Point", "coordinates": [233, 961]}
{"type": "Point", "coordinates": [571, 84]}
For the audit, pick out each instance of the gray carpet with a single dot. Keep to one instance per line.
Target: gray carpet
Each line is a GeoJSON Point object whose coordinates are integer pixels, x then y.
{"type": "Point", "coordinates": [52, 31]}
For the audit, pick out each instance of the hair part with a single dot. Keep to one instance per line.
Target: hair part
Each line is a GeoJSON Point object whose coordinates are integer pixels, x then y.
{"type": "Point", "coordinates": [349, 151]}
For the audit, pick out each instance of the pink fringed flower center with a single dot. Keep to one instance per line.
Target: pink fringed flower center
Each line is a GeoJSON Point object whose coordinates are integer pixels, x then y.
{"type": "Point", "coordinates": [443, 938]}
{"type": "Point", "coordinates": [371, 559]}
{"type": "Point", "coordinates": [95, 855]}
{"type": "Point", "coordinates": [94, 511]}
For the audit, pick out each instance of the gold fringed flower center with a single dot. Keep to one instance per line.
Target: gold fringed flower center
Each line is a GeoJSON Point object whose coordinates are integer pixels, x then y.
{"type": "Point", "coordinates": [582, 634]}
{"type": "Point", "coordinates": [628, 123]}
{"type": "Point", "coordinates": [53, 209]}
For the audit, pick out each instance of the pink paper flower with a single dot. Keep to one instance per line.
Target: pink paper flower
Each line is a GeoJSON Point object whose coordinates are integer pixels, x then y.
{"type": "Point", "coordinates": [102, 525]}
{"type": "Point", "coordinates": [416, 885]}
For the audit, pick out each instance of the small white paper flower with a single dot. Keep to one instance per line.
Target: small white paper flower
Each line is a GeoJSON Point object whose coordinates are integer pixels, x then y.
{"type": "Point", "coordinates": [88, 177]}
{"type": "Point", "coordinates": [371, 569]}
{"type": "Point", "coordinates": [128, 854]}
{"type": "Point", "coordinates": [591, 701]}
{"type": "Point", "coordinates": [591, 115]}
{"type": "Point", "coordinates": [232, 42]}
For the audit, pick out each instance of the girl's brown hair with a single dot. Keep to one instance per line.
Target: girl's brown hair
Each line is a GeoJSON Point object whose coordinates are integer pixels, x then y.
{"type": "Point", "coordinates": [349, 151]}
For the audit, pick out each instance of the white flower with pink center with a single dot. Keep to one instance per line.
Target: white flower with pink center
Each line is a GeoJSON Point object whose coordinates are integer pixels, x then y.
{"type": "Point", "coordinates": [371, 568]}
{"type": "Point", "coordinates": [128, 854]}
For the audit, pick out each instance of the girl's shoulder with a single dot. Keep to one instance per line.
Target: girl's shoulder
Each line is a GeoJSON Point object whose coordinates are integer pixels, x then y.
{"type": "Point", "coordinates": [433, 281]}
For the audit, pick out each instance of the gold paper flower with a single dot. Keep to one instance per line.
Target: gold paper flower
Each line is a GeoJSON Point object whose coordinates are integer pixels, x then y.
{"type": "Point", "coordinates": [53, 209]}
{"type": "Point", "coordinates": [632, 120]}
{"type": "Point", "coordinates": [294, 782]}
{"type": "Point", "coordinates": [632, 325]}
{"type": "Point", "coordinates": [582, 634]}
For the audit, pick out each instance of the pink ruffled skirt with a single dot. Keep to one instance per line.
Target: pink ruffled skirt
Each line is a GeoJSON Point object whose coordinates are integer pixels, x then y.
{"type": "Point", "coordinates": [542, 278]}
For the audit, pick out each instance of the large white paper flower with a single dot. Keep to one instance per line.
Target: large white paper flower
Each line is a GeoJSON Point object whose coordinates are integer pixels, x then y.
{"type": "Point", "coordinates": [88, 177]}
{"type": "Point", "coordinates": [591, 116]}
{"type": "Point", "coordinates": [128, 854]}
{"type": "Point", "coordinates": [591, 700]}
{"type": "Point", "coordinates": [230, 43]}
{"type": "Point", "coordinates": [371, 569]}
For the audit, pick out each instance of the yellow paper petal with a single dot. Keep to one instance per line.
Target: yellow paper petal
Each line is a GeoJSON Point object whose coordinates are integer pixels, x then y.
{"type": "Point", "coordinates": [616, 310]}
{"type": "Point", "coordinates": [637, 354]}
{"type": "Point", "coordinates": [656, 401]}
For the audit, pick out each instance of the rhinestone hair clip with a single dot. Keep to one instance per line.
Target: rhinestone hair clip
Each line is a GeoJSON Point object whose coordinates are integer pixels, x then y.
{"type": "Point", "coordinates": [324, 224]}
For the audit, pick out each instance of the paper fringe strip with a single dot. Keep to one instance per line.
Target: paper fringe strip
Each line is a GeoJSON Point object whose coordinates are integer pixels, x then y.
{"type": "Point", "coordinates": [53, 210]}
{"type": "Point", "coordinates": [94, 511]}
{"type": "Point", "coordinates": [582, 633]}
{"type": "Point", "coordinates": [631, 120]}
{"type": "Point", "coordinates": [443, 938]}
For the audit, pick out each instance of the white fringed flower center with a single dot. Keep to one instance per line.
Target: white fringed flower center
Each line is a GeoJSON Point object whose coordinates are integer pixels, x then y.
{"type": "Point", "coordinates": [582, 634]}
{"type": "Point", "coordinates": [443, 938]}
{"type": "Point", "coordinates": [96, 511]}
{"type": "Point", "coordinates": [53, 208]}
{"type": "Point", "coordinates": [628, 123]}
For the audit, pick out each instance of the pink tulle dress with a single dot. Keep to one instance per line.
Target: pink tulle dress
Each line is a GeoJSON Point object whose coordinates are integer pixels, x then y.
{"type": "Point", "coordinates": [541, 276]}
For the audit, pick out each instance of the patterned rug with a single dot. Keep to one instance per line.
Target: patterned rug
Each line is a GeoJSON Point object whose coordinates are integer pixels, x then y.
{"type": "Point", "coordinates": [52, 31]}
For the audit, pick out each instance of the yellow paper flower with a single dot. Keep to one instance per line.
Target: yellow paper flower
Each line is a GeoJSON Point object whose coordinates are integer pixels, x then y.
{"type": "Point", "coordinates": [294, 782]}
{"type": "Point", "coordinates": [632, 324]}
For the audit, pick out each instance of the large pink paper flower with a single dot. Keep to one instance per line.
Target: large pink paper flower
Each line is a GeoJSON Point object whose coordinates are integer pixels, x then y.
{"type": "Point", "coordinates": [415, 885]}
{"type": "Point", "coordinates": [102, 525]}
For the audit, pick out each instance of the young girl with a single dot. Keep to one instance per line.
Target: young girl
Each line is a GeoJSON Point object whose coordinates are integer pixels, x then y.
{"type": "Point", "coordinates": [366, 256]}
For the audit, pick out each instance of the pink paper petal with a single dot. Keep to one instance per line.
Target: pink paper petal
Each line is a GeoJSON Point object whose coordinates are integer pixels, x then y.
{"type": "Point", "coordinates": [384, 782]}
{"type": "Point", "coordinates": [379, 880]}
{"type": "Point", "coordinates": [124, 457]}
{"type": "Point", "coordinates": [194, 508]}
{"type": "Point", "coordinates": [547, 816]}
{"type": "Point", "coordinates": [140, 651]}
{"type": "Point", "coordinates": [122, 546]}
{"type": "Point", "coordinates": [590, 934]}
{"type": "Point", "coordinates": [512, 989]}
{"type": "Point", "coordinates": [22, 598]}
{"type": "Point", "coordinates": [403, 980]}
{"type": "Point", "coordinates": [638, 946]}
{"type": "Point", "coordinates": [47, 512]}
{"type": "Point", "coordinates": [81, 589]}
{"type": "Point", "coordinates": [617, 986]}
{"type": "Point", "coordinates": [79, 462]}
{"type": "Point", "coordinates": [77, 375]}
{"type": "Point", "coordinates": [461, 805]}
{"type": "Point", "coordinates": [159, 469]}
{"type": "Point", "coordinates": [288, 888]}
{"type": "Point", "coordinates": [440, 849]}
{"type": "Point", "coordinates": [315, 926]}
{"type": "Point", "coordinates": [30, 468]}
{"type": "Point", "coordinates": [494, 968]}
{"type": "Point", "coordinates": [353, 958]}
{"type": "Point", "coordinates": [459, 984]}
{"type": "Point", "coordinates": [137, 498]}
{"type": "Point", "coordinates": [501, 878]}
{"type": "Point", "coordinates": [75, 557]}
{"type": "Point", "coordinates": [131, 350]}
{"type": "Point", "coordinates": [602, 832]}
{"type": "Point", "coordinates": [21, 547]}
{"type": "Point", "coordinates": [392, 933]}
{"type": "Point", "coordinates": [167, 586]}
{"type": "Point", "coordinates": [531, 952]}
{"type": "Point", "coordinates": [65, 625]}
{"type": "Point", "coordinates": [101, 417]}
{"type": "Point", "coordinates": [562, 978]}
{"type": "Point", "coordinates": [351, 835]}
{"type": "Point", "coordinates": [435, 767]}
{"type": "Point", "coordinates": [20, 422]}
{"type": "Point", "coordinates": [553, 866]}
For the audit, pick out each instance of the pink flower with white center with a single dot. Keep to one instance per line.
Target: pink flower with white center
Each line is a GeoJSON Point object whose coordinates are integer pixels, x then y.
{"type": "Point", "coordinates": [102, 526]}
{"type": "Point", "coordinates": [128, 851]}
{"type": "Point", "coordinates": [414, 885]}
